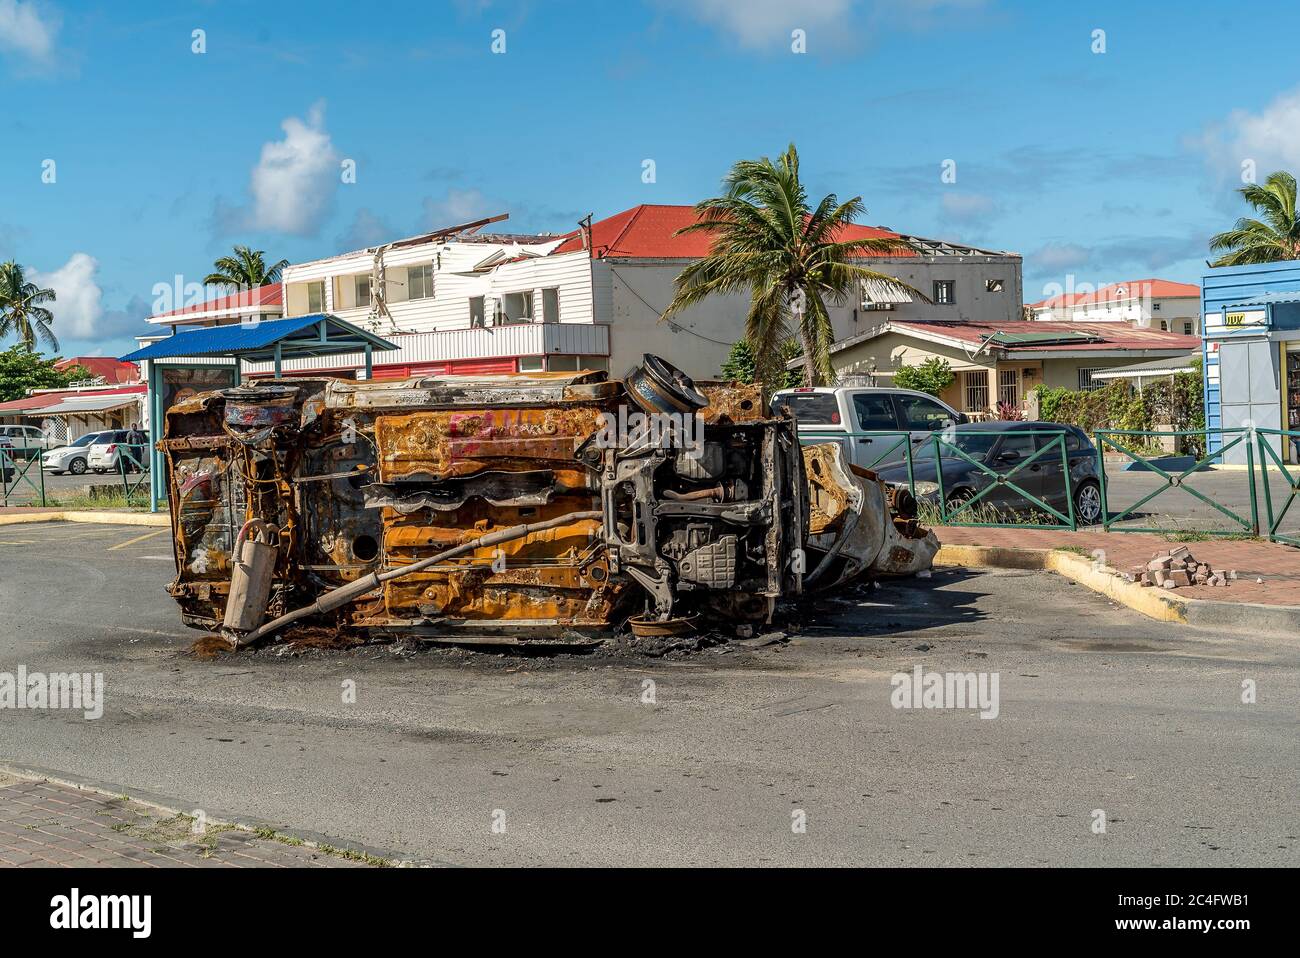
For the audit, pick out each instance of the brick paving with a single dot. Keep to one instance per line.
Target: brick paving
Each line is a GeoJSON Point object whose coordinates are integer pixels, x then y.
{"type": "Point", "coordinates": [1278, 565]}
{"type": "Point", "coordinates": [47, 825]}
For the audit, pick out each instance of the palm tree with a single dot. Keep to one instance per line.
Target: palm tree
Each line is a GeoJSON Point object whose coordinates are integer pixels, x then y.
{"type": "Point", "coordinates": [1274, 237]}
{"type": "Point", "coordinates": [790, 258]}
{"type": "Point", "coordinates": [21, 311]}
{"type": "Point", "coordinates": [245, 270]}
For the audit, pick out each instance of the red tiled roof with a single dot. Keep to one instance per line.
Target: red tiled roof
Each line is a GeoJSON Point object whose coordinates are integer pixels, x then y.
{"type": "Point", "coordinates": [648, 232]}
{"type": "Point", "coordinates": [48, 399]}
{"type": "Point", "coordinates": [1119, 292]}
{"type": "Point", "coordinates": [269, 295]}
{"type": "Point", "coordinates": [107, 367]}
{"type": "Point", "coordinates": [1107, 335]}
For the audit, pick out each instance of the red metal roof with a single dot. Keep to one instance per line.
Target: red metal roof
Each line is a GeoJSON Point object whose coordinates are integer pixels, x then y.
{"type": "Point", "coordinates": [49, 398]}
{"type": "Point", "coordinates": [1120, 292]}
{"type": "Point", "coordinates": [1108, 336]}
{"type": "Point", "coordinates": [269, 296]}
{"type": "Point", "coordinates": [648, 232]}
{"type": "Point", "coordinates": [112, 370]}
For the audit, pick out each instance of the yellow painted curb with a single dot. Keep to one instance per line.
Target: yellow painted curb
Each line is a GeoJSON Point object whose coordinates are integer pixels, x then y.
{"type": "Point", "coordinates": [1155, 603]}
{"type": "Point", "coordinates": [109, 518]}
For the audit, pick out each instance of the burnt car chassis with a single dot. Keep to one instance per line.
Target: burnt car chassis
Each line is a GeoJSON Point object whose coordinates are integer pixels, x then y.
{"type": "Point", "coordinates": [515, 508]}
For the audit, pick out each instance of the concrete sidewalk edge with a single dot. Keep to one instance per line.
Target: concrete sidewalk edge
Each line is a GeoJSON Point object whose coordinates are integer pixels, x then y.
{"type": "Point", "coordinates": [1157, 604]}
{"type": "Point", "coordinates": [73, 515]}
{"type": "Point", "coordinates": [242, 822]}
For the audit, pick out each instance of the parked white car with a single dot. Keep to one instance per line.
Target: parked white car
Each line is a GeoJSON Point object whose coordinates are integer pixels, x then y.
{"type": "Point", "coordinates": [106, 453]}
{"type": "Point", "coordinates": [25, 439]}
{"type": "Point", "coordinates": [827, 413]}
{"type": "Point", "coordinates": [75, 457]}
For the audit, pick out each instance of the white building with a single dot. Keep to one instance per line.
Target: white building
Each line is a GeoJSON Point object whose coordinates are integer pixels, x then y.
{"type": "Point", "coordinates": [460, 301]}
{"type": "Point", "coordinates": [1149, 303]}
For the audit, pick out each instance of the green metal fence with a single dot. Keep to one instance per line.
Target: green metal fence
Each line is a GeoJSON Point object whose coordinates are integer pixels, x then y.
{"type": "Point", "coordinates": [996, 481]}
{"type": "Point", "coordinates": [1002, 481]}
{"type": "Point", "coordinates": [133, 459]}
{"type": "Point", "coordinates": [17, 475]}
{"type": "Point", "coordinates": [1122, 441]}
{"type": "Point", "coordinates": [1275, 515]}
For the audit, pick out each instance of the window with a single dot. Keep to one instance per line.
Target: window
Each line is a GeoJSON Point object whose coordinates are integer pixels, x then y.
{"type": "Point", "coordinates": [363, 290]}
{"type": "Point", "coordinates": [1023, 445]}
{"type": "Point", "coordinates": [477, 315]}
{"type": "Point", "coordinates": [1187, 328]}
{"type": "Point", "coordinates": [594, 362]}
{"type": "Point", "coordinates": [551, 304]}
{"type": "Point", "coordinates": [874, 411]}
{"type": "Point", "coordinates": [517, 307]}
{"type": "Point", "coordinates": [817, 408]}
{"type": "Point", "coordinates": [316, 297]}
{"type": "Point", "coordinates": [1009, 386]}
{"type": "Point", "coordinates": [1164, 325]}
{"type": "Point", "coordinates": [943, 292]}
{"type": "Point", "coordinates": [976, 390]}
{"type": "Point", "coordinates": [1086, 382]}
{"type": "Point", "coordinates": [419, 281]}
{"type": "Point", "coordinates": [562, 364]}
{"type": "Point", "coordinates": [920, 413]}
{"type": "Point", "coordinates": [993, 285]}
{"type": "Point", "coordinates": [530, 364]}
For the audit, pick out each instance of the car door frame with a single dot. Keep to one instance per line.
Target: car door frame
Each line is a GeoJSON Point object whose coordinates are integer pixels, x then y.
{"type": "Point", "coordinates": [861, 446]}
{"type": "Point", "coordinates": [1030, 480]}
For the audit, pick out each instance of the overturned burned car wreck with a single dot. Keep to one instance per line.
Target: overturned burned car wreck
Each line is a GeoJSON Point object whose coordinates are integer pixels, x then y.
{"type": "Point", "coordinates": [511, 508]}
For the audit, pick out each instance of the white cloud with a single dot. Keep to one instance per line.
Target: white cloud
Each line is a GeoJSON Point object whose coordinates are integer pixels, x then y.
{"type": "Point", "coordinates": [1270, 138]}
{"type": "Point", "coordinates": [27, 29]}
{"type": "Point", "coordinates": [367, 229]}
{"type": "Point", "coordinates": [758, 24]}
{"type": "Point", "coordinates": [292, 186]}
{"type": "Point", "coordinates": [967, 207]}
{"type": "Point", "coordinates": [79, 300]}
{"type": "Point", "coordinates": [458, 206]}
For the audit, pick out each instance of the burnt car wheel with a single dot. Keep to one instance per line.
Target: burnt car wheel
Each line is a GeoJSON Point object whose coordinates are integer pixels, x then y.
{"type": "Point", "coordinates": [1087, 503]}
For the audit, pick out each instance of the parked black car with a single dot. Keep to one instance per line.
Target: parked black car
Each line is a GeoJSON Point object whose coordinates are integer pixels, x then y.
{"type": "Point", "coordinates": [1000, 446]}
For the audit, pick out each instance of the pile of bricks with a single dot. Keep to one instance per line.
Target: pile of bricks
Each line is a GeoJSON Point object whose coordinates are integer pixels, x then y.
{"type": "Point", "coordinates": [1176, 568]}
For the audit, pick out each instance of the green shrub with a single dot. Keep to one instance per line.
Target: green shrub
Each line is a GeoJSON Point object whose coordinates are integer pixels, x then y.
{"type": "Point", "coordinates": [1175, 401]}
{"type": "Point", "coordinates": [932, 376]}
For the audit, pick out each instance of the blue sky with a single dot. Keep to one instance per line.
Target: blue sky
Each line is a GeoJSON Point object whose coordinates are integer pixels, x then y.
{"type": "Point", "coordinates": [1099, 166]}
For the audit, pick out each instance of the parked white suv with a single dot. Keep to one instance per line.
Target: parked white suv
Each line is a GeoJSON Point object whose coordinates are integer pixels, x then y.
{"type": "Point", "coordinates": [74, 457]}
{"type": "Point", "coordinates": [25, 440]}
{"type": "Point", "coordinates": [834, 413]}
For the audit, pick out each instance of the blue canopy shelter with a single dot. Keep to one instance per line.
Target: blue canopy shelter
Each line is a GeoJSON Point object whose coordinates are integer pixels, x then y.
{"type": "Point", "coordinates": [212, 356]}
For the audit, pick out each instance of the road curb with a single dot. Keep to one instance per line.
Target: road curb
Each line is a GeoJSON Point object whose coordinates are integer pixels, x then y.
{"type": "Point", "coordinates": [1154, 603]}
{"type": "Point", "coordinates": [243, 823]}
{"type": "Point", "coordinates": [110, 518]}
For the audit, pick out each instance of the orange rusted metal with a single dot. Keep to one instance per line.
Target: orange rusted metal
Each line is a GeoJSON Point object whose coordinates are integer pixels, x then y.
{"type": "Point", "coordinates": [365, 479]}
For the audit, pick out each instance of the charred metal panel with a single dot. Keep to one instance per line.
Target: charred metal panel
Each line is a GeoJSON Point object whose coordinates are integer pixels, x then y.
{"type": "Point", "coordinates": [364, 480]}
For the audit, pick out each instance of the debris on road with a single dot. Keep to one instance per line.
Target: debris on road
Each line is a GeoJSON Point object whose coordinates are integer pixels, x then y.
{"type": "Point", "coordinates": [1176, 568]}
{"type": "Point", "coordinates": [502, 510]}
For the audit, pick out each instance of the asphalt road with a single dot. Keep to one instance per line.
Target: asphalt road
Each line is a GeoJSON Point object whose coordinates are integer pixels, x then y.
{"type": "Point", "coordinates": [1176, 509]}
{"type": "Point", "coordinates": [1099, 709]}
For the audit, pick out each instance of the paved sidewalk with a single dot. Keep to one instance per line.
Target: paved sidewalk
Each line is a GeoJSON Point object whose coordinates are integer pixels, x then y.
{"type": "Point", "coordinates": [49, 825]}
{"type": "Point", "coordinates": [1278, 565]}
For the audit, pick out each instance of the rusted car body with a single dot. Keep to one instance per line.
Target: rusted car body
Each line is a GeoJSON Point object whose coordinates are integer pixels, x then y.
{"type": "Point", "coordinates": [361, 481]}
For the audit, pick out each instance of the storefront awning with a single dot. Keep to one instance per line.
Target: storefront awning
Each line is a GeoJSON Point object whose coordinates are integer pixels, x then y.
{"type": "Point", "coordinates": [85, 405]}
{"type": "Point", "coordinates": [317, 335]}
